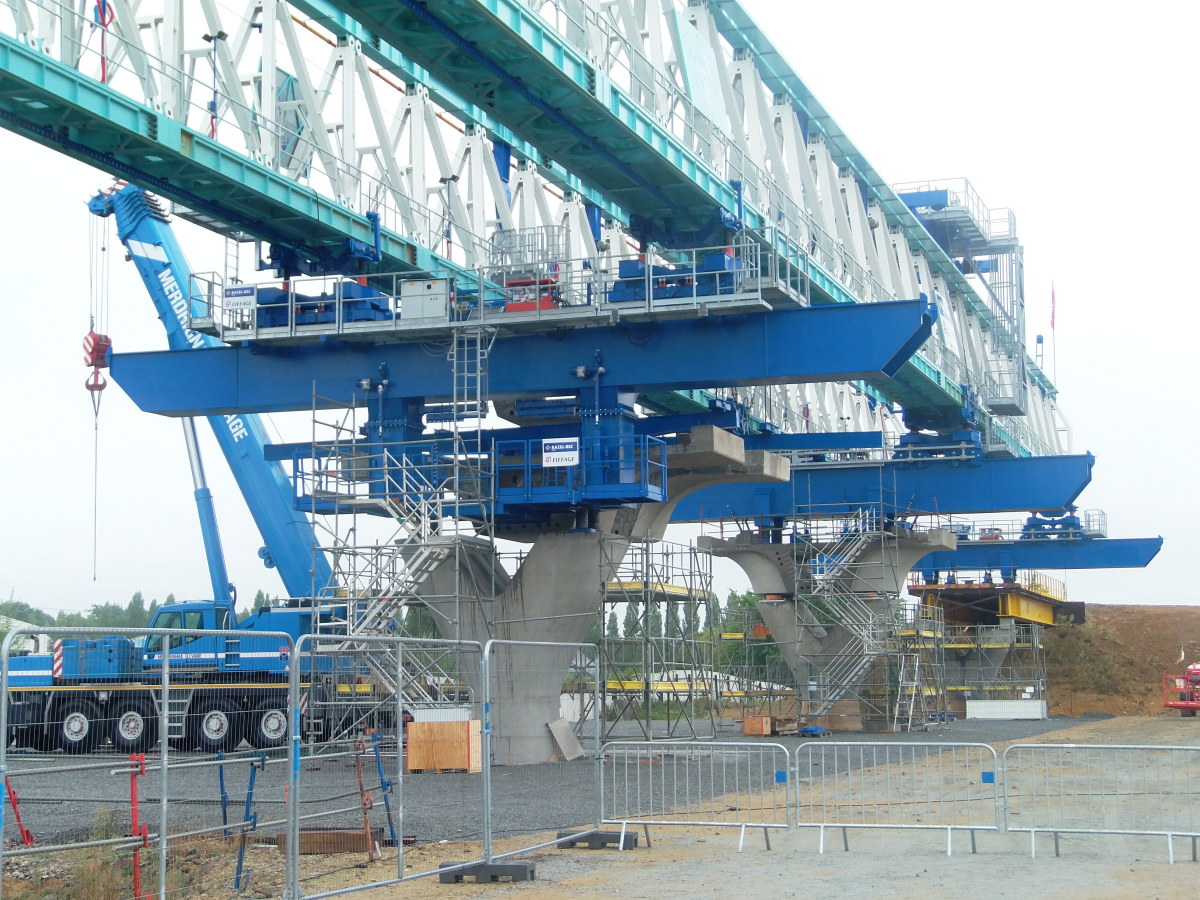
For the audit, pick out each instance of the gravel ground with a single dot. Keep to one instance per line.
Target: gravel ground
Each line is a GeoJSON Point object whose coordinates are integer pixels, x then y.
{"type": "Point", "coordinates": [700, 862]}
{"type": "Point", "coordinates": [60, 807]}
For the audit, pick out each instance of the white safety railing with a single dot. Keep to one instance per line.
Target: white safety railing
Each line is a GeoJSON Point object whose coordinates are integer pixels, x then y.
{"type": "Point", "coordinates": [940, 786]}
{"type": "Point", "coordinates": [725, 785]}
{"type": "Point", "coordinates": [1091, 789]}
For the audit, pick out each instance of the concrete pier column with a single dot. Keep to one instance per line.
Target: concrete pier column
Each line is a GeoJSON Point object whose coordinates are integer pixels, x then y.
{"type": "Point", "coordinates": [811, 643]}
{"type": "Point", "coordinates": [559, 589]}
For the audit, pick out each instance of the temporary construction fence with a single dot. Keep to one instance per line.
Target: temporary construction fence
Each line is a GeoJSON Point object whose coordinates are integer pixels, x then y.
{"type": "Point", "coordinates": [732, 785]}
{"type": "Point", "coordinates": [134, 761]}
{"type": "Point", "coordinates": [1102, 789]}
{"type": "Point", "coordinates": [542, 788]}
{"type": "Point", "coordinates": [927, 785]}
{"type": "Point", "coordinates": [380, 739]}
{"type": "Point", "coordinates": [146, 817]}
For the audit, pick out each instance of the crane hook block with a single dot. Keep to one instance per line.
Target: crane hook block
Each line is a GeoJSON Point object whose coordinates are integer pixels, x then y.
{"type": "Point", "coordinates": [95, 350]}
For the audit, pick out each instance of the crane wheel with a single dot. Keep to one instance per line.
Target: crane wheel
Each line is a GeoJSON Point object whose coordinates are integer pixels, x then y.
{"type": "Point", "coordinates": [135, 727]}
{"type": "Point", "coordinates": [269, 725]}
{"type": "Point", "coordinates": [215, 726]}
{"type": "Point", "coordinates": [79, 727]}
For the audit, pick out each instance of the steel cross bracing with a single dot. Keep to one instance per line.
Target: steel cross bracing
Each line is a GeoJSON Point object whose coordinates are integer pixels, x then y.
{"type": "Point", "coordinates": [289, 123]}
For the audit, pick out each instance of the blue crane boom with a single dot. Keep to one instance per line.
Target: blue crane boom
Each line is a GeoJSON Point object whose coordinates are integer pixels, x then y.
{"type": "Point", "coordinates": [146, 233]}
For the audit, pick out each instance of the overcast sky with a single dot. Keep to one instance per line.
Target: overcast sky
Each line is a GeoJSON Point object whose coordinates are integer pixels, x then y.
{"type": "Point", "coordinates": [1082, 124]}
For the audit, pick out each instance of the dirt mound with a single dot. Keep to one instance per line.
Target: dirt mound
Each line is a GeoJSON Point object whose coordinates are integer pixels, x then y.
{"type": "Point", "coordinates": [1115, 662]}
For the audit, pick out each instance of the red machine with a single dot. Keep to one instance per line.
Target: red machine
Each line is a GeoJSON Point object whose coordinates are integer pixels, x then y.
{"type": "Point", "coordinates": [1182, 692]}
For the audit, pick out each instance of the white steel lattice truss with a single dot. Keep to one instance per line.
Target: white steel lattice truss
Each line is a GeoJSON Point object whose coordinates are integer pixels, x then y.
{"type": "Point", "coordinates": [295, 90]}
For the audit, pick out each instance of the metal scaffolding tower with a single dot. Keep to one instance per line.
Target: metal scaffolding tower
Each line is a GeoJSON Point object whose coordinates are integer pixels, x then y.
{"type": "Point", "coordinates": [663, 676]}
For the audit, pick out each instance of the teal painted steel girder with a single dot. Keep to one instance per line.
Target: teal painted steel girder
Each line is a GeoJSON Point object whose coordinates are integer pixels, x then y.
{"type": "Point", "coordinates": [394, 61]}
{"type": "Point", "coordinates": [485, 42]}
{"type": "Point", "coordinates": [737, 27]}
{"type": "Point", "coordinates": [58, 107]}
{"type": "Point", "coordinates": [530, 78]}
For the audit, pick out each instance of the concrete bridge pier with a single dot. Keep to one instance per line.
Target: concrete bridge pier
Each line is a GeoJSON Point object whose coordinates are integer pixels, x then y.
{"type": "Point", "coordinates": [559, 588]}
{"type": "Point", "coordinates": [829, 620]}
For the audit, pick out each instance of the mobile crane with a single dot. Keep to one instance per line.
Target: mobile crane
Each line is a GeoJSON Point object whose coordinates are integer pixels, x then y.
{"type": "Point", "coordinates": [225, 687]}
{"type": "Point", "coordinates": [146, 233]}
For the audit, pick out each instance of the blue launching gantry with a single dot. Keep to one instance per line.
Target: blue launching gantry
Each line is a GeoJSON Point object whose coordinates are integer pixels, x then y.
{"type": "Point", "coordinates": [807, 292]}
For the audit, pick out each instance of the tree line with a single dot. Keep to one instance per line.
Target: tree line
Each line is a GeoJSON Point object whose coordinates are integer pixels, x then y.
{"type": "Point", "coordinates": [135, 614]}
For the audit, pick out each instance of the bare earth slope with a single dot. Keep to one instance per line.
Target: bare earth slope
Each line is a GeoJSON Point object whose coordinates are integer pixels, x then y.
{"type": "Point", "coordinates": [1115, 662]}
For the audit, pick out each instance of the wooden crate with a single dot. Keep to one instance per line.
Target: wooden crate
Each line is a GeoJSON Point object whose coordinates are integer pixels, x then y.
{"type": "Point", "coordinates": [444, 746]}
{"type": "Point", "coordinates": [756, 726]}
{"type": "Point", "coordinates": [334, 840]}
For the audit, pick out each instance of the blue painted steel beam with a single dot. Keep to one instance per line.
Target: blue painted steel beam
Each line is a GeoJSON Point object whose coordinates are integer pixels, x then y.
{"type": "Point", "coordinates": [957, 486]}
{"type": "Point", "coordinates": [787, 346]}
{"type": "Point", "coordinates": [60, 108]}
{"type": "Point", "coordinates": [1044, 553]}
{"type": "Point", "coordinates": [840, 440]}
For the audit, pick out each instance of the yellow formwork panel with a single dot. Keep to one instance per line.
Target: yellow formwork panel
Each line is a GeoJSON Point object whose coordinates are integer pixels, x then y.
{"type": "Point", "coordinates": [1027, 608]}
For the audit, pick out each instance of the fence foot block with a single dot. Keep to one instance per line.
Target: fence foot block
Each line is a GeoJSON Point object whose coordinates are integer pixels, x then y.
{"type": "Point", "coordinates": [598, 840]}
{"type": "Point", "coordinates": [483, 873]}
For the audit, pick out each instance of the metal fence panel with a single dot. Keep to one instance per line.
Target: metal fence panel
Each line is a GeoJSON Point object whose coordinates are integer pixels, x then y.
{"type": "Point", "coordinates": [128, 760]}
{"type": "Point", "coordinates": [541, 736]}
{"type": "Point", "coordinates": [379, 790]}
{"type": "Point", "coordinates": [928, 785]}
{"type": "Point", "coordinates": [1102, 789]}
{"type": "Point", "coordinates": [740, 785]}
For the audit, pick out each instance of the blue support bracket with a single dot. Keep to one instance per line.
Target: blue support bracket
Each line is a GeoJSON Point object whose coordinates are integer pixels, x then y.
{"type": "Point", "coordinates": [224, 795]}
{"type": "Point", "coordinates": [241, 876]}
{"type": "Point", "coordinates": [385, 788]}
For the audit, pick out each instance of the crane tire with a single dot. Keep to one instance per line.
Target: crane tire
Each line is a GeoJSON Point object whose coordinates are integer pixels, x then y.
{"type": "Point", "coordinates": [79, 727]}
{"type": "Point", "coordinates": [215, 726]}
{"type": "Point", "coordinates": [269, 726]}
{"type": "Point", "coordinates": [134, 727]}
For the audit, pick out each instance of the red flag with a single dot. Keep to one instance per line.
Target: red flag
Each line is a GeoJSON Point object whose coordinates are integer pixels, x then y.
{"type": "Point", "coordinates": [1052, 306]}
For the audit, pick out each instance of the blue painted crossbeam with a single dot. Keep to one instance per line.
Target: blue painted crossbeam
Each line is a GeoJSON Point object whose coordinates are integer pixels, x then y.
{"type": "Point", "coordinates": [948, 486]}
{"type": "Point", "coordinates": [816, 344]}
{"type": "Point", "coordinates": [1058, 553]}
